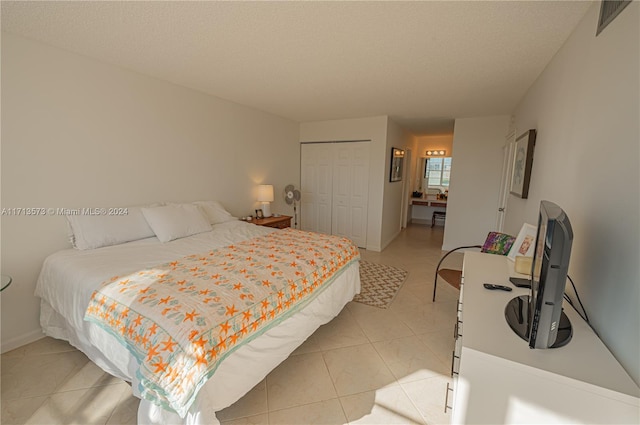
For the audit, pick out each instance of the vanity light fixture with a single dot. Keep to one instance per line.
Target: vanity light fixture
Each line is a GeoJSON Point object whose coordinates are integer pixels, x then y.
{"type": "Point", "coordinates": [438, 152]}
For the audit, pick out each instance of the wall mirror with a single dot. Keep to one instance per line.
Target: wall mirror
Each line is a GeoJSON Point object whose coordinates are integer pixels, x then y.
{"type": "Point", "coordinates": [433, 173]}
{"type": "Point", "coordinates": [397, 159]}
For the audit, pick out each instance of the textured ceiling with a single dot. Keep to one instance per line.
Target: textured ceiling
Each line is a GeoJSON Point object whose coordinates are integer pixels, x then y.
{"type": "Point", "coordinates": [422, 63]}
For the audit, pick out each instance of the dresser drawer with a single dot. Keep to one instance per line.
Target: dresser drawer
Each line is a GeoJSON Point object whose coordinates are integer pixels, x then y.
{"type": "Point", "coordinates": [279, 222]}
{"type": "Point", "coordinates": [282, 224]}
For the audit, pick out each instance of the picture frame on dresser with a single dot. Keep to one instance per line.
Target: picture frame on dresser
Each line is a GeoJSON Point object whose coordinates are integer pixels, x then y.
{"type": "Point", "coordinates": [524, 243]}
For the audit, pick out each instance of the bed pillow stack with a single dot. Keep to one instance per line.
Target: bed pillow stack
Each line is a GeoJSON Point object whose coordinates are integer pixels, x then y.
{"type": "Point", "coordinates": [95, 231]}
{"type": "Point", "coordinates": [165, 221]}
{"type": "Point", "coordinates": [175, 221]}
{"type": "Point", "coordinates": [215, 212]}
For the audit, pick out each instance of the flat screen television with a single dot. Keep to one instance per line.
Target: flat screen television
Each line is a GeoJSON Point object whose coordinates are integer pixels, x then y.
{"type": "Point", "coordinates": [538, 317]}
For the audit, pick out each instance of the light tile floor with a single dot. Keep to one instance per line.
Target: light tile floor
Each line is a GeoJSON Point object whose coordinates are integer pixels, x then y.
{"type": "Point", "coordinates": [367, 366]}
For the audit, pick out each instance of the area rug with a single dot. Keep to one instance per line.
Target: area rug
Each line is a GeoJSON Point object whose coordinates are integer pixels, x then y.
{"type": "Point", "coordinates": [379, 284]}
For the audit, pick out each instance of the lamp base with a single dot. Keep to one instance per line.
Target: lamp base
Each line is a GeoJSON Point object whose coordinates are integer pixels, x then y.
{"type": "Point", "coordinates": [266, 209]}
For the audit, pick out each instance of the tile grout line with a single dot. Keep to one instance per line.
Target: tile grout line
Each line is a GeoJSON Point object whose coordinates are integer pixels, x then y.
{"type": "Point", "coordinates": [324, 360]}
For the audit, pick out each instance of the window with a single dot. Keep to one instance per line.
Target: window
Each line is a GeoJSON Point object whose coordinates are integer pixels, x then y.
{"type": "Point", "coordinates": [437, 171]}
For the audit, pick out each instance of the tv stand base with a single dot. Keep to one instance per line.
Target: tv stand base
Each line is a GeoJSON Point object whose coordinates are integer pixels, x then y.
{"type": "Point", "coordinates": [517, 314]}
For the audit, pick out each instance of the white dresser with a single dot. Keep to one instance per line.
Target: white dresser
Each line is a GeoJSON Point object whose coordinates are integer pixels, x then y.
{"type": "Point", "coordinates": [498, 379]}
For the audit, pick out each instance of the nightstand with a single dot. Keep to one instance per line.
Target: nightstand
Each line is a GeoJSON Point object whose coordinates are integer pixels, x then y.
{"type": "Point", "coordinates": [280, 222]}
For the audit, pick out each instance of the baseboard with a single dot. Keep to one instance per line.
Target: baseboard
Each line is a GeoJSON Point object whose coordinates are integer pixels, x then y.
{"type": "Point", "coordinates": [21, 340]}
{"type": "Point", "coordinates": [426, 221]}
{"type": "Point", "coordinates": [374, 248]}
{"type": "Point", "coordinates": [386, 244]}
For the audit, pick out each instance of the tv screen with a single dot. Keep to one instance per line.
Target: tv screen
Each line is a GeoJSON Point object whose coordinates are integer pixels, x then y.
{"type": "Point", "coordinates": [538, 317]}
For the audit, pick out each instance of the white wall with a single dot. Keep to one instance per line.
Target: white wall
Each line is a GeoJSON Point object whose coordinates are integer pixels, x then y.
{"type": "Point", "coordinates": [585, 107]}
{"type": "Point", "coordinates": [375, 130]}
{"type": "Point", "coordinates": [80, 133]}
{"type": "Point", "coordinates": [397, 137]}
{"type": "Point", "coordinates": [476, 168]}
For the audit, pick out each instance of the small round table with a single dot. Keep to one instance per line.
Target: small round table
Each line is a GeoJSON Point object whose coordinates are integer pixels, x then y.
{"type": "Point", "coordinates": [4, 282]}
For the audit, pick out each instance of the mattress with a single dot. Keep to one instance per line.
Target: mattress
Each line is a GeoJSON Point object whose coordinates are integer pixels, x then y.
{"type": "Point", "coordinates": [69, 278]}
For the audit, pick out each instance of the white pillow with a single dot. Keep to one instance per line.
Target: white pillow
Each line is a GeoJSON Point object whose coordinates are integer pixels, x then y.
{"type": "Point", "coordinates": [215, 212]}
{"type": "Point", "coordinates": [94, 231]}
{"type": "Point", "coordinates": [176, 221]}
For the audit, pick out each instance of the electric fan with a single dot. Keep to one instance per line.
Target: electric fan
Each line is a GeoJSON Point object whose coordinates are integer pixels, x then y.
{"type": "Point", "coordinates": [292, 197]}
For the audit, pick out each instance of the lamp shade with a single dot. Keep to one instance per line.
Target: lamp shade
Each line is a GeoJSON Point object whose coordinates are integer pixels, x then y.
{"type": "Point", "coordinates": [265, 193]}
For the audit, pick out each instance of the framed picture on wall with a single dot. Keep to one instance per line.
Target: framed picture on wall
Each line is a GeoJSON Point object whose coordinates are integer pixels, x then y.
{"type": "Point", "coordinates": [522, 163]}
{"type": "Point", "coordinates": [397, 159]}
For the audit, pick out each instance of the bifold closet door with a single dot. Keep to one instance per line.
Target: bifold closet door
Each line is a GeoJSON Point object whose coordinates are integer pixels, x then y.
{"type": "Point", "coordinates": [335, 187]}
{"type": "Point", "coordinates": [350, 191]}
{"type": "Point", "coordinates": [316, 187]}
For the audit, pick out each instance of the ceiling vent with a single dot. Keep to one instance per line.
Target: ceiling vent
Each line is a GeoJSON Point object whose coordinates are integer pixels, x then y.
{"type": "Point", "coordinates": [609, 9]}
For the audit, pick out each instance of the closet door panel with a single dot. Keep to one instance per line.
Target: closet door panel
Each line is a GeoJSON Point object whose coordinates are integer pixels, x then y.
{"type": "Point", "coordinates": [358, 226]}
{"type": "Point", "coordinates": [341, 223]}
{"type": "Point", "coordinates": [359, 199]}
{"type": "Point", "coordinates": [316, 185]}
{"type": "Point", "coordinates": [350, 191]}
{"type": "Point", "coordinates": [308, 177]}
{"type": "Point", "coordinates": [308, 214]}
{"type": "Point", "coordinates": [334, 180]}
{"type": "Point", "coordinates": [325, 171]}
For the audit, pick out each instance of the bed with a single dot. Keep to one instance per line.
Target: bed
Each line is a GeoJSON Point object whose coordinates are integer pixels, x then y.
{"type": "Point", "coordinates": [75, 286]}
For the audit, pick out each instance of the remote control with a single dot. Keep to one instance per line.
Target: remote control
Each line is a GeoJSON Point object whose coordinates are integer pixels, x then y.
{"type": "Point", "coordinates": [494, 286]}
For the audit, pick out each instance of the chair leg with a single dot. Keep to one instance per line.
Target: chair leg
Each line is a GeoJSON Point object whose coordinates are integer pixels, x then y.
{"type": "Point", "coordinates": [435, 279]}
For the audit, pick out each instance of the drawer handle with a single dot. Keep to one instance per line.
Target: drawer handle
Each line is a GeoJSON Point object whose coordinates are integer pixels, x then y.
{"type": "Point", "coordinates": [453, 361]}
{"type": "Point", "coordinates": [456, 328]}
{"type": "Point", "coordinates": [446, 398]}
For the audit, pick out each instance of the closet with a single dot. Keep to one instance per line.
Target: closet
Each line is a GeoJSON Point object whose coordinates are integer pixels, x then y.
{"type": "Point", "coordinates": [335, 187]}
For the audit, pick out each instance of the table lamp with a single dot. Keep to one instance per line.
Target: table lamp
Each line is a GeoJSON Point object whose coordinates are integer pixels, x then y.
{"type": "Point", "coordinates": [265, 196]}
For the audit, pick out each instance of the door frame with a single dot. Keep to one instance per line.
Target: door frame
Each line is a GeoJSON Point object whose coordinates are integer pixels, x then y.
{"type": "Point", "coordinates": [508, 151]}
{"type": "Point", "coordinates": [405, 209]}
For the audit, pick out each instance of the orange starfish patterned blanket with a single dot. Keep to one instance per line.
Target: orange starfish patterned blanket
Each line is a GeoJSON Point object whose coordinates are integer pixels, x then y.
{"type": "Point", "coordinates": [182, 318]}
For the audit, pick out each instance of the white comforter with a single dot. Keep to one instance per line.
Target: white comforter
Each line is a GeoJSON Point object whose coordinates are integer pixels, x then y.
{"type": "Point", "coordinates": [69, 277]}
